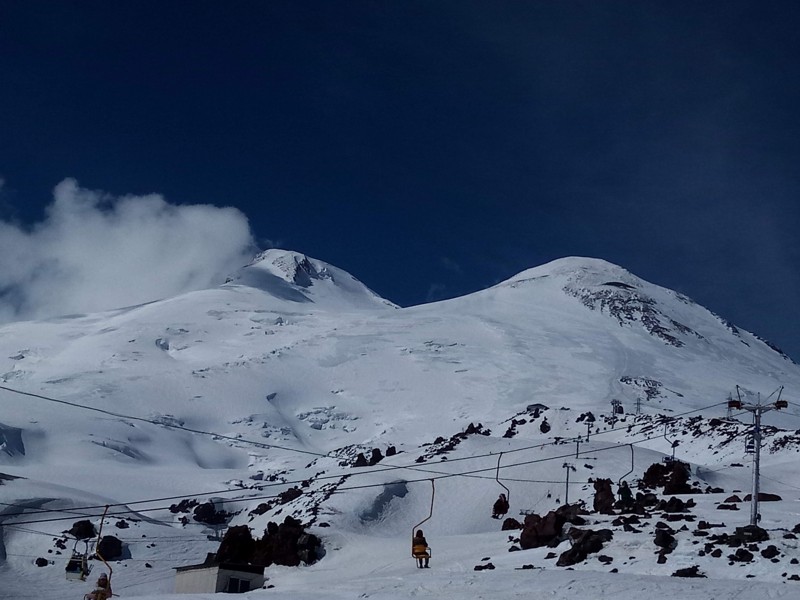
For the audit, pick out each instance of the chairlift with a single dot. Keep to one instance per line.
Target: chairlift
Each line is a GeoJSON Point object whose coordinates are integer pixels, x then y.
{"type": "Point", "coordinates": [673, 444]}
{"type": "Point", "coordinates": [78, 568]}
{"type": "Point", "coordinates": [104, 592]}
{"type": "Point", "coordinates": [507, 494]}
{"type": "Point", "coordinates": [418, 553]}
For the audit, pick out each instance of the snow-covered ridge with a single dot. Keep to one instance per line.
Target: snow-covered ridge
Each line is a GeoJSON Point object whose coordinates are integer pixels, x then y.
{"type": "Point", "coordinates": [630, 301]}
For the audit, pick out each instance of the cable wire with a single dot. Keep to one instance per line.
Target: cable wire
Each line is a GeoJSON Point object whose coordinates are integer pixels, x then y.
{"type": "Point", "coordinates": [317, 454]}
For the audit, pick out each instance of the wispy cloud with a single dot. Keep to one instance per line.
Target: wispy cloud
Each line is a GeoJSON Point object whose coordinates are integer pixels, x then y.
{"type": "Point", "coordinates": [94, 251]}
{"type": "Point", "coordinates": [451, 265]}
{"type": "Point", "coordinates": [436, 291]}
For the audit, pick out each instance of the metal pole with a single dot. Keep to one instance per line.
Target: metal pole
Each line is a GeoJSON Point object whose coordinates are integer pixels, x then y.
{"type": "Point", "coordinates": [567, 466]}
{"type": "Point", "coordinates": [614, 404]}
{"type": "Point", "coordinates": [756, 464]}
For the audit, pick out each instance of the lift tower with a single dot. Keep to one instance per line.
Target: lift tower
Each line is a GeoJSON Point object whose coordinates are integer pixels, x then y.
{"type": "Point", "coordinates": [757, 409]}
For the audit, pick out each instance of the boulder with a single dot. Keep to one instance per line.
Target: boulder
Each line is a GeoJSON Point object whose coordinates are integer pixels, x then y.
{"type": "Point", "coordinates": [237, 545]}
{"type": "Point", "coordinates": [764, 497]}
{"type": "Point", "coordinates": [665, 540]}
{"type": "Point", "coordinates": [675, 505]}
{"type": "Point", "coordinates": [82, 530]}
{"type": "Point", "coordinates": [511, 523]}
{"type": "Point", "coordinates": [770, 551]}
{"type": "Point", "coordinates": [693, 571]}
{"type": "Point", "coordinates": [376, 457]}
{"type": "Point", "coordinates": [286, 544]}
{"type": "Point", "coordinates": [584, 543]}
{"type": "Point", "coordinates": [110, 548]}
{"type": "Point", "coordinates": [603, 497]}
{"type": "Point", "coordinates": [208, 513]}
{"type": "Point", "coordinates": [540, 531]}
{"type": "Point", "coordinates": [741, 555]}
{"type": "Point", "coordinates": [672, 476]}
{"type": "Point", "coordinates": [749, 534]}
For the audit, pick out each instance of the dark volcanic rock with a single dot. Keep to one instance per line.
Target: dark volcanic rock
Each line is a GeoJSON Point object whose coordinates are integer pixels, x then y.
{"type": "Point", "coordinates": [672, 476]}
{"type": "Point", "coordinates": [750, 533]}
{"type": "Point", "coordinates": [208, 513]}
{"type": "Point", "coordinates": [693, 571]}
{"type": "Point", "coordinates": [110, 547]}
{"type": "Point", "coordinates": [376, 457]}
{"type": "Point", "coordinates": [288, 495]}
{"type": "Point", "coordinates": [237, 545]}
{"type": "Point", "coordinates": [286, 544]}
{"type": "Point", "coordinates": [770, 551]}
{"type": "Point", "coordinates": [741, 555]}
{"type": "Point", "coordinates": [540, 531]}
{"type": "Point", "coordinates": [665, 540]}
{"type": "Point", "coordinates": [603, 497]}
{"type": "Point", "coordinates": [675, 505]}
{"type": "Point", "coordinates": [584, 543]}
{"type": "Point", "coordinates": [82, 530]}
{"type": "Point", "coordinates": [764, 497]}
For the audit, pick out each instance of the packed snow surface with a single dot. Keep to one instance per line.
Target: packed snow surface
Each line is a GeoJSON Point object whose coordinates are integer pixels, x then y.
{"type": "Point", "coordinates": [283, 375]}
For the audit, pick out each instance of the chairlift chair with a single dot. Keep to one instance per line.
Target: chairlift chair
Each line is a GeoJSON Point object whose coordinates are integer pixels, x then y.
{"type": "Point", "coordinates": [78, 567]}
{"type": "Point", "coordinates": [416, 552]}
{"type": "Point", "coordinates": [497, 478]}
{"type": "Point", "coordinates": [673, 444]}
{"type": "Point", "coordinates": [107, 592]}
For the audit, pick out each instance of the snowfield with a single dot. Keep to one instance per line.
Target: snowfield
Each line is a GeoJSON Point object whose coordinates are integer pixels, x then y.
{"type": "Point", "coordinates": [282, 376]}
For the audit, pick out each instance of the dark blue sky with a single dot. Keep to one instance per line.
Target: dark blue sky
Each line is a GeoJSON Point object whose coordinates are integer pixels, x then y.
{"type": "Point", "coordinates": [435, 148]}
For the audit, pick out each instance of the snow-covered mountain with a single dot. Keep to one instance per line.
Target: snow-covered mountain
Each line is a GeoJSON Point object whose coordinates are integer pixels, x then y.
{"type": "Point", "coordinates": [298, 367]}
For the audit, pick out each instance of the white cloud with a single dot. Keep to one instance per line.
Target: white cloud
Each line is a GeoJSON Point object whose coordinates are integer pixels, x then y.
{"type": "Point", "coordinates": [94, 252]}
{"type": "Point", "coordinates": [436, 292]}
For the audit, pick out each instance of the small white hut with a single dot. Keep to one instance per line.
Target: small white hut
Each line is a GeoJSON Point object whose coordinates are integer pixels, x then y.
{"type": "Point", "coordinates": [218, 577]}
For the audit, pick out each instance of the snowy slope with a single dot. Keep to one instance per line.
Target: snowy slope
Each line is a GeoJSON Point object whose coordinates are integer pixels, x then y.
{"type": "Point", "coordinates": [307, 362]}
